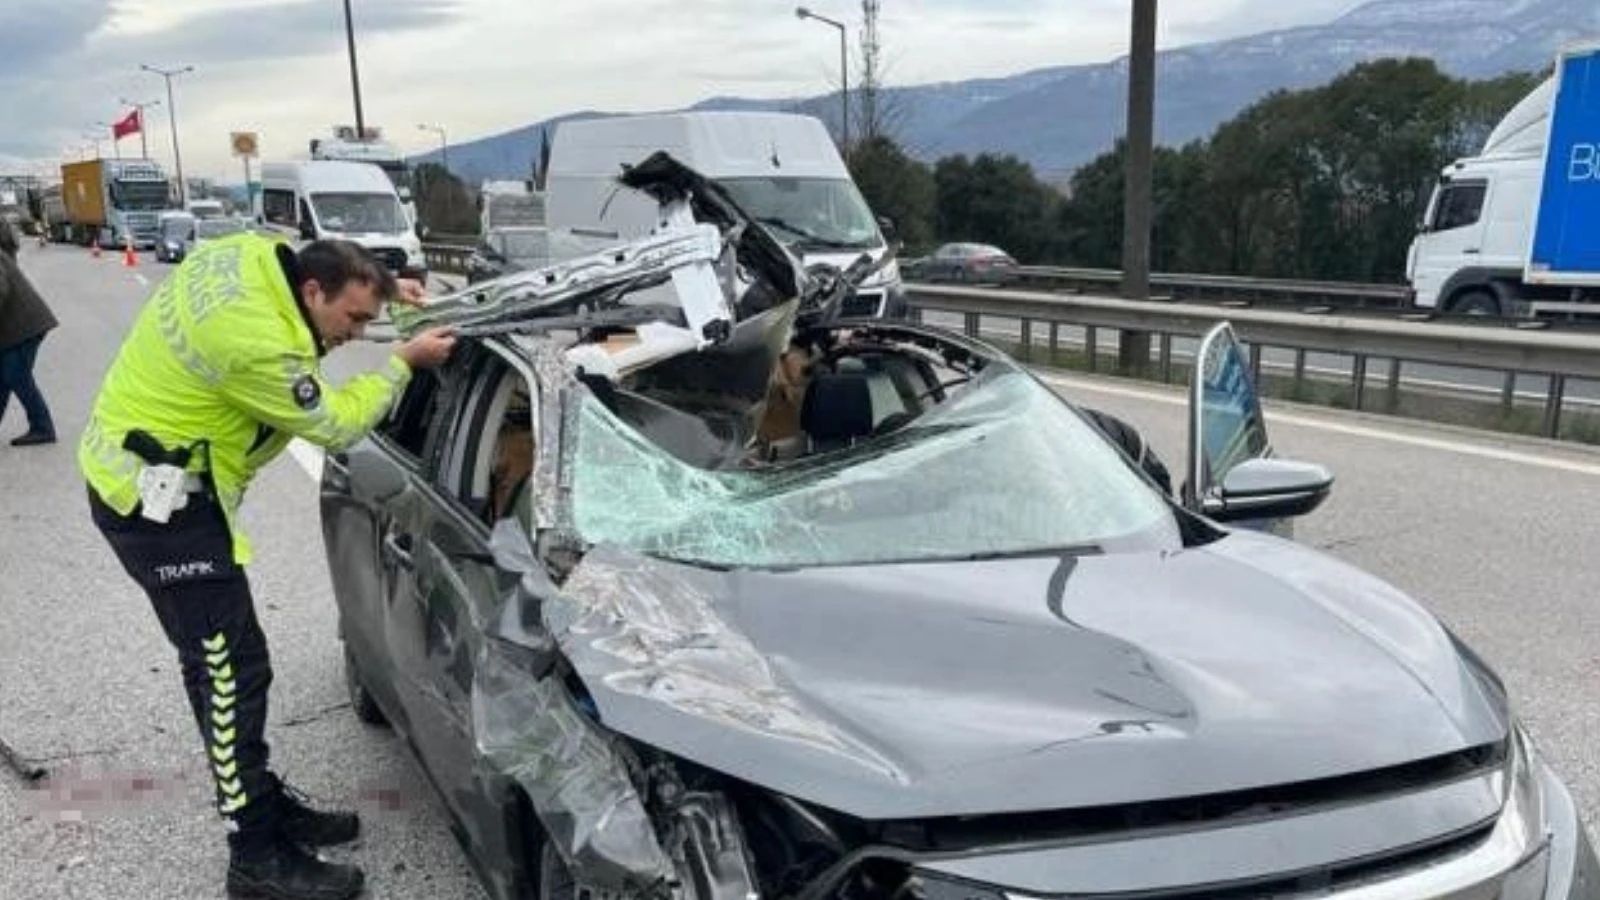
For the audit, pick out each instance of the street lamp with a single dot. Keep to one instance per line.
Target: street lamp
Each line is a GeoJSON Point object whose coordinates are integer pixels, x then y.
{"type": "Point", "coordinates": [172, 118]}
{"type": "Point", "coordinates": [144, 145]}
{"type": "Point", "coordinates": [803, 13]}
{"type": "Point", "coordinates": [355, 79]}
{"type": "Point", "coordinates": [444, 153]}
{"type": "Point", "coordinates": [96, 139]}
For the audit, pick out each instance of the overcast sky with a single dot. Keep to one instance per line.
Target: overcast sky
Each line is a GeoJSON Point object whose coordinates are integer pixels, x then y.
{"type": "Point", "coordinates": [479, 67]}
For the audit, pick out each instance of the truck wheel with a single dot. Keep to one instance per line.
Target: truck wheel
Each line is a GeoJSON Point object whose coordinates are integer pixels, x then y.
{"type": "Point", "coordinates": [1477, 303]}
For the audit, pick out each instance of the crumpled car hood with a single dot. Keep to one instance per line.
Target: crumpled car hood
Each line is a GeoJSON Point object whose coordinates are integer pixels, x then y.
{"type": "Point", "coordinates": [947, 689]}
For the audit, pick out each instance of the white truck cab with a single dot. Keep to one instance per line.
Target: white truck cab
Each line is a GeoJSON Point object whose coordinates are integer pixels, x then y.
{"type": "Point", "coordinates": [317, 199]}
{"type": "Point", "coordinates": [783, 169]}
{"type": "Point", "coordinates": [1513, 230]}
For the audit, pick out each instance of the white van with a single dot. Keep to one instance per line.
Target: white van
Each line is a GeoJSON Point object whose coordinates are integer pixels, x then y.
{"type": "Point", "coordinates": [320, 199]}
{"type": "Point", "coordinates": [782, 169]}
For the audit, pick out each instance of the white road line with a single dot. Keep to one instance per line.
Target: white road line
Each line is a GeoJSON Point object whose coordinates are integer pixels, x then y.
{"type": "Point", "coordinates": [1376, 434]}
{"type": "Point", "coordinates": [309, 458]}
{"type": "Point", "coordinates": [141, 279]}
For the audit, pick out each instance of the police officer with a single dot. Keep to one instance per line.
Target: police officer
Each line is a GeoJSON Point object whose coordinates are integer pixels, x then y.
{"type": "Point", "coordinates": [220, 371]}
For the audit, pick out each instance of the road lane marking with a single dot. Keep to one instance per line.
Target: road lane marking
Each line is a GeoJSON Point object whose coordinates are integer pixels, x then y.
{"type": "Point", "coordinates": [1377, 434]}
{"type": "Point", "coordinates": [141, 279]}
{"type": "Point", "coordinates": [309, 458]}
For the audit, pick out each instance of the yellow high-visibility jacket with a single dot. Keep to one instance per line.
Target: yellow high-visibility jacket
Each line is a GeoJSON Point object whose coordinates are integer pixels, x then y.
{"type": "Point", "coordinates": [223, 353]}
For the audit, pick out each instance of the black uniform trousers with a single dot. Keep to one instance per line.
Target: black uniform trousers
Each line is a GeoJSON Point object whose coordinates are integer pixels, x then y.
{"type": "Point", "coordinates": [203, 601]}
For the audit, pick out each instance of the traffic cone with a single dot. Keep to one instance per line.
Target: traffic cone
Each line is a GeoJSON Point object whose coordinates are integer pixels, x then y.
{"type": "Point", "coordinates": [129, 258]}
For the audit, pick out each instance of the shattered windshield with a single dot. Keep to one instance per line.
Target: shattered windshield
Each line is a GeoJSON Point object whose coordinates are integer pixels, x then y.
{"type": "Point", "coordinates": [360, 213]}
{"type": "Point", "coordinates": [808, 213]}
{"type": "Point", "coordinates": [1004, 468]}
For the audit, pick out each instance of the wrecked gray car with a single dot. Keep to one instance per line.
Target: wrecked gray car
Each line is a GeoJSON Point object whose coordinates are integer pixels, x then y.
{"type": "Point", "coordinates": [680, 594]}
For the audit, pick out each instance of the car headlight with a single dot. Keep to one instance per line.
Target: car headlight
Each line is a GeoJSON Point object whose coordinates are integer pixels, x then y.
{"type": "Point", "coordinates": [888, 275]}
{"type": "Point", "coordinates": [1525, 821]}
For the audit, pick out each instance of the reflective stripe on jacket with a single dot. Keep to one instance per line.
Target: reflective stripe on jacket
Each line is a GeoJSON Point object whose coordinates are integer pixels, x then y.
{"type": "Point", "coordinates": [223, 354]}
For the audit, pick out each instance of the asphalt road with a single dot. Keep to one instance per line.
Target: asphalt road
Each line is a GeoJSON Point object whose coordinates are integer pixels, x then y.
{"type": "Point", "coordinates": [1493, 533]}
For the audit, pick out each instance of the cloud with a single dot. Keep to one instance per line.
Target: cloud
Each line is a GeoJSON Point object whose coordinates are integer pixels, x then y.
{"type": "Point", "coordinates": [35, 33]}
{"type": "Point", "coordinates": [66, 64]}
{"type": "Point", "coordinates": [480, 67]}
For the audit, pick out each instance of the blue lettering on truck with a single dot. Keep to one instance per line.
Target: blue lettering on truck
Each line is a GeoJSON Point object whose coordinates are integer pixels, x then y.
{"type": "Point", "coordinates": [1566, 238]}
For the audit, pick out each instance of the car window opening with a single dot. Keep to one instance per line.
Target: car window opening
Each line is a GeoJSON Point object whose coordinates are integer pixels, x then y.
{"type": "Point", "coordinates": [859, 448]}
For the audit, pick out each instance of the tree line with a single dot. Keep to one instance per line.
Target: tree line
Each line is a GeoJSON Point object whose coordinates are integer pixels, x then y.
{"type": "Point", "coordinates": [1325, 183]}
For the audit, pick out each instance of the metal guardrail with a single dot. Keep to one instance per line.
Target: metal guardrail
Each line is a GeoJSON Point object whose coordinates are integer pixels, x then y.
{"type": "Point", "coordinates": [1491, 345]}
{"type": "Point", "coordinates": [1203, 287]}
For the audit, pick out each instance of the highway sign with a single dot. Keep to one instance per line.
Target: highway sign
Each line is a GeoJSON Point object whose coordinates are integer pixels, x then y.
{"type": "Point", "coordinates": [244, 143]}
{"type": "Point", "coordinates": [1566, 238]}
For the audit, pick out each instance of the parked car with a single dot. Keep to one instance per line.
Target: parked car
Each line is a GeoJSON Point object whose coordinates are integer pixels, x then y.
{"type": "Point", "coordinates": [980, 263]}
{"type": "Point", "coordinates": [738, 598]}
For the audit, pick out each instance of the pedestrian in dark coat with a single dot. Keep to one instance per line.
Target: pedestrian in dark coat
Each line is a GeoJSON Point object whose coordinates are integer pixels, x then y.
{"type": "Point", "coordinates": [25, 319]}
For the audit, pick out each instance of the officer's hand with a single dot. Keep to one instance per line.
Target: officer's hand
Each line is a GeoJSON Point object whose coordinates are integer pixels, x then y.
{"type": "Point", "coordinates": [429, 349]}
{"type": "Point", "coordinates": [411, 292]}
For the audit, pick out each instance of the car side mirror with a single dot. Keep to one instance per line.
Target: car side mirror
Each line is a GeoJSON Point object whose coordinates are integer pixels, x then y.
{"type": "Point", "coordinates": [887, 226]}
{"type": "Point", "coordinates": [423, 231]}
{"type": "Point", "coordinates": [1269, 489]}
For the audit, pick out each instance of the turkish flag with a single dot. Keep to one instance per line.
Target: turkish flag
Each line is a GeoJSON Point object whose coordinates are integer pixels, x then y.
{"type": "Point", "coordinates": [127, 125]}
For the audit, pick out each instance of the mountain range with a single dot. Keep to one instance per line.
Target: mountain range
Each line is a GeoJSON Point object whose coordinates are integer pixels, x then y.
{"type": "Point", "coordinates": [1060, 118]}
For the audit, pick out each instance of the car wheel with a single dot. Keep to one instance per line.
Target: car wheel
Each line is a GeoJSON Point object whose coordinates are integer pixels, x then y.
{"type": "Point", "coordinates": [1477, 303]}
{"type": "Point", "coordinates": [367, 709]}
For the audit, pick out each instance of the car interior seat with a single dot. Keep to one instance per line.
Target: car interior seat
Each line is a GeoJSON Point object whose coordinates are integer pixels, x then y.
{"type": "Point", "coordinates": [513, 462]}
{"type": "Point", "coordinates": [837, 410]}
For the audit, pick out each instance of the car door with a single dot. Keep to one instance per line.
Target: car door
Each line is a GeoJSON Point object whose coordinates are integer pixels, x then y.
{"type": "Point", "coordinates": [1452, 238]}
{"type": "Point", "coordinates": [455, 587]}
{"type": "Point", "coordinates": [365, 489]}
{"type": "Point", "coordinates": [1233, 473]}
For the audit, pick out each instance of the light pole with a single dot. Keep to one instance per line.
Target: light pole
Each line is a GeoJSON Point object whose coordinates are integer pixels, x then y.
{"type": "Point", "coordinates": [444, 154]}
{"type": "Point", "coordinates": [98, 154]}
{"type": "Point", "coordinates": [1134, 349]}
{"type": "Point", "coordinates": [355, 79]}
{"type": "Point", "coordinates": [144, 144]}
{"type": "Point", "coordinates": [172, 118]}
{"type": "Point", "coordinates": [844, 67]}
{"type": "Point", "coordinates": [116, 142]}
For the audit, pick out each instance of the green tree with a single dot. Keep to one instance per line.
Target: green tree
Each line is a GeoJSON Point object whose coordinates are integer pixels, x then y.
{"type": "Point", "coordinates": [997, 200]}
{"type": "Point", "coordinates": [897, 186]}
{"type": "Point", "coordinates": [444, 203]}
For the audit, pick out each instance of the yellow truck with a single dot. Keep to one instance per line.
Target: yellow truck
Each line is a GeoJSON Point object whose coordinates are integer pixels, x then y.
{"type": "Point", "coordinates": [111, 201]}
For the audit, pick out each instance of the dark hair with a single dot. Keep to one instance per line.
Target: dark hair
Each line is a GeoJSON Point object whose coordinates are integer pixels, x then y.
{"type": "Point", "coordinates": [333, 264]}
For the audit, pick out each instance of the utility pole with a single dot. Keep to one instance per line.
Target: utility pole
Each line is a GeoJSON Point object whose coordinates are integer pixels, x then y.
{"type": "Point", "coordinates": [355, 79]}
{"type": "Point", "coordinates": [844, 71]}
{"type": "Point", "coordinates": [144, 143]}
{"type": "Point", "coordinates": [870, 74]}
{"type": "Point", "coordinates": [1134, 347]}
{"type": "Point", "coordinates": [172, 118]}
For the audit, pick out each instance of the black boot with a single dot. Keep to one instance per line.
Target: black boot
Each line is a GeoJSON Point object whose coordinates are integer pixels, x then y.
{"type": "Point", "coordinates": [34, 439]}
{"type": "Point", "coordinates": [313, 828]}
{"type": "Point", "coordinates": [280, 870]}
